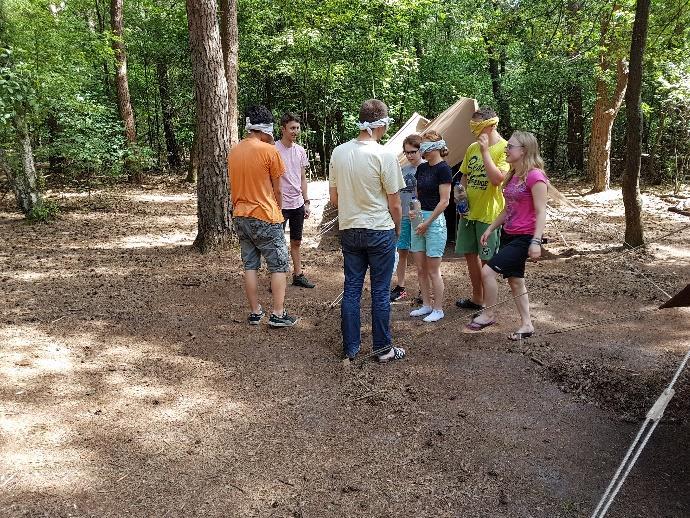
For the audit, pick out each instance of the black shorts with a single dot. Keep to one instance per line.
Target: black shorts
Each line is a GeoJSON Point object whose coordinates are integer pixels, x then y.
{"type": "Point", "coordinates": [296, 219]}
{"type": "Point", "coordinates": [512, 255]}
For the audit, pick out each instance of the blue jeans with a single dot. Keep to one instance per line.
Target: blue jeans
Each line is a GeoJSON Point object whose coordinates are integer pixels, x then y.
{"type": "Point", "coordinates": [363, 249]}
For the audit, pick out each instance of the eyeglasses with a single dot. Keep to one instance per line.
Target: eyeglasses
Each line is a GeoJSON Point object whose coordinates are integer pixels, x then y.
{"type": "Point", "coordinates": [510, 146]}
{"type": "Point", "coordinates": [411, 152]}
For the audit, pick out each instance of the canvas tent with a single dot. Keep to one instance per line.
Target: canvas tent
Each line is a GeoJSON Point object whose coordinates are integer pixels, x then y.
{"type": "Point", "coordinates": [453, 125]}
{"type": "Point", "coordinates": [414, 124]}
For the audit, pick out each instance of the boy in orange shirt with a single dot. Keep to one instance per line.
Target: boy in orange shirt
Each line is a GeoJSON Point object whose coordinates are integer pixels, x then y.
{"type": "Point", "coordinates": [255, 168]}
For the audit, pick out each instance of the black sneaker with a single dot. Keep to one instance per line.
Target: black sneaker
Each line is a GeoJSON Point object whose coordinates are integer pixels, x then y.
{"type": "Point", "coordinates": [283, 320]}
{"type": "Point", "coordinates": [468, 304]}
{"type": "Point", "coordinates": [301, 281]}
{"type": "Point", "coordinates": [398, 293]}
{"type": "Point", "coordinates": [255, 318]}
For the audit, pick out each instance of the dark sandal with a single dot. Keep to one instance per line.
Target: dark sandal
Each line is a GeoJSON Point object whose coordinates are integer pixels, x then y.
{"type": "Point", "coordinates": [468, 304]}
{"type": "Point", "coordinates": [516, 337]}
{"type": "Point", "coordinates": [477, 326]}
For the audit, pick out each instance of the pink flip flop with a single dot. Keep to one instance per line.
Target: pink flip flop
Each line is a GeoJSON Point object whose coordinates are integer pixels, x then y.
{"type": "Point", "coordinates": [476, 326]}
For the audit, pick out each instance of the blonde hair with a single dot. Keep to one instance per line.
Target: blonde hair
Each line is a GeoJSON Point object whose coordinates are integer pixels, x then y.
{"type": "Point", "coordinates": [434, 136]}
{"type": "Point", "coordinates": [531, 159]}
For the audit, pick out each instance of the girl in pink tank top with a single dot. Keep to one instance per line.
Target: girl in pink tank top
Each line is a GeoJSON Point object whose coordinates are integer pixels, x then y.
{"type": "Point", "coordinates": [523, 220]}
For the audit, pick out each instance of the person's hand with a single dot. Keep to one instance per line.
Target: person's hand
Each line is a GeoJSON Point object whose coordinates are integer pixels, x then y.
{"type": "Point", "coordinates": [483, 140]}
{"type": "Point", "coordinates": [485, 238]}
{"type": "Point", "coordinates": [534, 251]}
{"type": "Point", "coordinates": [307, 210]}
{"type": "Point", "coordinates": [422, 228]}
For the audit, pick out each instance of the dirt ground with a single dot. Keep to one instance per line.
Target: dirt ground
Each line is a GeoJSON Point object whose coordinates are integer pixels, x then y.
{"type": "Point", "coordinates": [130, 384]}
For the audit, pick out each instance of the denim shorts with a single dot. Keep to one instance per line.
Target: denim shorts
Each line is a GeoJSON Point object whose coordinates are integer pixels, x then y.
{"type": "Point", "coordinates": [433, 242]}
{"type": "Point", "coordinates": [405, 239]}
{"type": "Point", "coordinates": [260, 238]}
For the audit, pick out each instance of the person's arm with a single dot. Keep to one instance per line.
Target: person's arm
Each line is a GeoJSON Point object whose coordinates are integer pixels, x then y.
{"type": "Point", "coordinates": [444, 192]}
{"type": "Point", "coordinates": [305, 194]}
{"type": "Point", "coordinates": [395, 209]}
{"type": "Point", "coordinates": [539, 198]}
{"type": "Point", "coordinates": [275, 181]}
{"type": "Point", "coordinates": [333, 195]}
{"type": "Point", "coordinates": [304, 163]}
{"type": "Point", "coordinates": [493, 172]}
{"type": "Point", "coordinates": [494, 225]}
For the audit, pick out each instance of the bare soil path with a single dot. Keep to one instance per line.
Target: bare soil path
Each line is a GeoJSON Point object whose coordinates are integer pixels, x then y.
{"type": "Point", "coordinates": [130, 384]}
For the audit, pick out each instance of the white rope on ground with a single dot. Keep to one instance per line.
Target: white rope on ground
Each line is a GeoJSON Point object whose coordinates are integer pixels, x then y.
{"type": "Point", "coordinates": [447, 321]}
{"type": "Point", "coordinates": [327, 227]}
{"type": "Point", "coordinates": [646, 430]}
{"type": "Point", "coordinates": [555, 225]}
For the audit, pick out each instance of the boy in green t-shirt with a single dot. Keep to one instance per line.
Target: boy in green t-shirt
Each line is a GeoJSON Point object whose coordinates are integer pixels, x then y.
{"type": "Point", "coordinates": [483, 171]}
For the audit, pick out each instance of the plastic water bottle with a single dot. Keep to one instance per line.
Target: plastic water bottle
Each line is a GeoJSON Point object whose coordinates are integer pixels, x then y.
{"type": "Point", "coordinates": [460, 196]}
{"type": "Point", "coordinates": [415, 212]}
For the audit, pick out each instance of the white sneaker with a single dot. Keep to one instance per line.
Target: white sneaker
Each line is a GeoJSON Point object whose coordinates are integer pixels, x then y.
{"type": "Point", "coordinates": [434, 316]}
{"type": "Point", "coordinates": [424, 310]}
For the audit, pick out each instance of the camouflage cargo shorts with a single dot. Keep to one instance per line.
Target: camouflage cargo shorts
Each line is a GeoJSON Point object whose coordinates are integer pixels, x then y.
{"type": "Point", "coordinates": [260, 238]}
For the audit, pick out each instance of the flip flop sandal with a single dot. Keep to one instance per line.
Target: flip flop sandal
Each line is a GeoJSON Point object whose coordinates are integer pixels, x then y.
{"type": "Point", "coordinates": [516, 337]}
{"type": "Point", "coordinates": [468, 304]}
{"type": "Point", "coordinates": [477, 326]}
{"type": "Point", "coordinates": [398, 354]}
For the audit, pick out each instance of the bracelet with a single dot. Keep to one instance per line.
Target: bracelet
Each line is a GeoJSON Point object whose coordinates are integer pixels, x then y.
{"type": "Point", "coordinates": [535, 241]}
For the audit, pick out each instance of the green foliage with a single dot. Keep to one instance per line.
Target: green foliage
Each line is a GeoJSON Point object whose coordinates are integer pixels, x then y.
{"type": "Point", "coordinates": [44, 212]}
{"type": "Point", "coordinates": [322, 58]}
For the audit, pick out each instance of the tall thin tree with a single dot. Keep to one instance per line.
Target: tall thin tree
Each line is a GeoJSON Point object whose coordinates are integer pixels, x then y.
{"type": "Point", "coordinates": [124, 102]}
{"type": "Point", "coordinates": [167, 110]}
{"type": "Point", "coordinates": [634, 235]}
{"type": "Point", "coordinates": [211, 91]}
{"type": "Point", "coordinates": [229, 36]}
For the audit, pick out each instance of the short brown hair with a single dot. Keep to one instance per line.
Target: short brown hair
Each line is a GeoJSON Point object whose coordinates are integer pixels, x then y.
{"type": "Point", "coordinates": [434, 136]}
{"type": "Point", "coordinates": [413, 140]}
{"type": "Point", "coordinates": [484, 113]}
{"type": "Point", "coordinates": [372, 110]}
{"type": "Point", "coordinates": [289, 117]}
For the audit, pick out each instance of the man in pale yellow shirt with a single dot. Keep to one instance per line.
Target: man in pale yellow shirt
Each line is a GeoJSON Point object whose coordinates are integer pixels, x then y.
{"type": "Point", "coordinates": [365, 181]}
{"type": "Point", "coordinates": [483, 171]}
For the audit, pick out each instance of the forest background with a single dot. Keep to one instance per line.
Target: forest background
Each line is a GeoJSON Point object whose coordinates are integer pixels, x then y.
{"type": "Point", "coordinates": [93, 92]}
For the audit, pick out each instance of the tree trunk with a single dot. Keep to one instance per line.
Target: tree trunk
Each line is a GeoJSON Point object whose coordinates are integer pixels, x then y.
{"type": "Point", "coordinates": [502, 106]}
{"type": "Point", "coordinates": [56, 162]}
{"type": "Point", "coordinates": [124, 103]}
{"type": "Point", "coordinates": [229, 37]}
{"type": "Point", "coordinates": [107, 81]}
{"type": "Point", "coordinates": [553, 138]}
{"type": "Point", "coordinates": [654, 165]}
{"type": "Point", "coordinates": [606, 106]}
{"type": "Point", "coordinates": [24, 183]}
{"type": "Point", "coordinates": [193, 167]}
{"type": "Point", "coordinates": [167, 111]}
{"type": "Point", "coordinates": [634, 235]}
{"type": "Point", "coordinates": [605, 110]}
{"type": "Point", "coordinates": [576, 129]}
{"type": "Point", "coordinates": [211, 92]}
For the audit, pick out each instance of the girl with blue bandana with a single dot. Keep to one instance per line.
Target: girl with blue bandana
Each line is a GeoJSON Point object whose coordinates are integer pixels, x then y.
{"type": "Point", "coordinates": [429, 235]}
